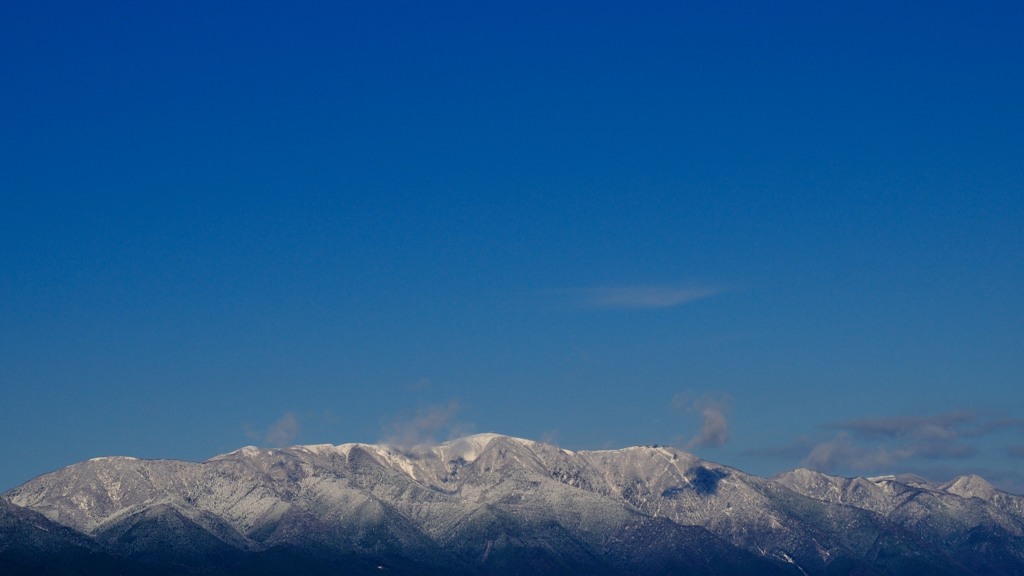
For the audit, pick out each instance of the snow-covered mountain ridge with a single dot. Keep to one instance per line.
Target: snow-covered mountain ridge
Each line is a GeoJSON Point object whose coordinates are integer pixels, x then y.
{"type": "Point", "coordinates": [493, 504]}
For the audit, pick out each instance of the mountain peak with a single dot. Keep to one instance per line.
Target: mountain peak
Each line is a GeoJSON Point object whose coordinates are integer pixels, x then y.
{"type": "Point", "coordinates": [487, 501]}
{"type": "Point", "coordinates": [970, 486]}
{"type": "Point", "coordinates": [468, 448]}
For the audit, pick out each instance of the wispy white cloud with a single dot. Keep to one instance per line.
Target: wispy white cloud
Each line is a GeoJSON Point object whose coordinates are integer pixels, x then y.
{"type": "Point", "coordinates": [842, 452]}
{"type": "Point", "coordinates": [714, 425]}
{"type": "Point", "coordinates": [424, 427]}
{"type": "Point", "coordinates": [550, 437]}
{"type": "Point", "coordinates": [936, 426]}
{"type": "Point", "coordinates": [282, 432]}
{"type": "Point", "coordinates": [643, 296]}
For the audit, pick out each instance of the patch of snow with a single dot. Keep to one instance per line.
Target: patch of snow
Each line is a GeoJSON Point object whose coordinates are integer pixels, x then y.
{"type": "Point", "coordinates": [469, 448]}
{"type": "Point", "coordinates": [245, 452]}
{"type": "Point", "coordinates": [393, 458]}
{"type": "Point", "coordinates": [318, 448]}
{"type": "Point", "coordinates": [782, 554]}
{"type": "Point", "coordinates": [970, 486]}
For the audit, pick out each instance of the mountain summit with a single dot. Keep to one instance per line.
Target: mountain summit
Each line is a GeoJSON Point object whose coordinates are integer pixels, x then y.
{"type": "Point", "coordinates": [493, 504]}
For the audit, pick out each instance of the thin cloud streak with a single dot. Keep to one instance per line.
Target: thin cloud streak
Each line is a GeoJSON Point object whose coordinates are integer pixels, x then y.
{"type": "Point", "coordinates": [939, 426]}
{"type": "Point", "coordinates": [794, 450]}
{"type": "Point", "coordinates": [963, 423]}
{"type": "Point", "coordinates": [880, 444]}
{"type": "Point", "coordinates": [643, 297]}
{"type": "Point", "coordinates": [843, 452]}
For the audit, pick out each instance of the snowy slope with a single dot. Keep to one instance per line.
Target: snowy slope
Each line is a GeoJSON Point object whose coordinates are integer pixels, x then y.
{"type": "Point", "coordinates": [491, 503]}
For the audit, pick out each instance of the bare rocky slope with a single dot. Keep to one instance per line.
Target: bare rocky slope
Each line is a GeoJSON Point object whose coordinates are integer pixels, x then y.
{"type": "Point", "coordinates": [492, 504]}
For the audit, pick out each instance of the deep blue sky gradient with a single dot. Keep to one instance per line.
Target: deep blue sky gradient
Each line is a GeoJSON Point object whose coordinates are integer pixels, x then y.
{"type": "Point", "coordinates": [252, 223]}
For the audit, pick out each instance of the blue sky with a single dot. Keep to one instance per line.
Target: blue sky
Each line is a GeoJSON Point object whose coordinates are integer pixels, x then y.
{"type": "Point", "coordinates": [776, 235]}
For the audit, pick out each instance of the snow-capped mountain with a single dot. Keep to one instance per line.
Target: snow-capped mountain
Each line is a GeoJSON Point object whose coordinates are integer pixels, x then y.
{"type": "Point", "coordinates": [492, 504]}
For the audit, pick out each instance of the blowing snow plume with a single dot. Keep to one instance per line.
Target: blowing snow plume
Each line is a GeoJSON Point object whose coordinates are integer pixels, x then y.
{"type": "Point", "coordinates": [714, 422]}
{"type": "Point", "coordinates": [423, 428]}
{"type": "Point", "coordinates": [282, 432]}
